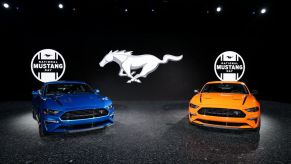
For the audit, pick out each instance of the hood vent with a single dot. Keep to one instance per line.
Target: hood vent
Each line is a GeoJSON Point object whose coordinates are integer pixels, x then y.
{"type": "Point", "coordinates": [245, 99]}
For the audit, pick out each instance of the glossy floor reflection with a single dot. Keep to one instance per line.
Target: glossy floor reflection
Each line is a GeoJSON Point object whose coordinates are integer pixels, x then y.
{"type": "Point", "coordinates": [146, 132]}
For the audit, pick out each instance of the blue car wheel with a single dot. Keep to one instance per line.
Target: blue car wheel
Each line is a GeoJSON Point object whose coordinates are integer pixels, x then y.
{"type": "Point", "coordinates": [41, 129]}
{"type": "Point", "coordinates": [33, 114]}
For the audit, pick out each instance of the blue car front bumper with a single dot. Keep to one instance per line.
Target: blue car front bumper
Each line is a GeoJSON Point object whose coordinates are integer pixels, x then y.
{"type": "Point", "coordinates": [56, 124]}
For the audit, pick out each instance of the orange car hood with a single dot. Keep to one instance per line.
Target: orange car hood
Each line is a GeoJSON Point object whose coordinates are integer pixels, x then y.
{"type": "Point", "coordinates": [225, 99]}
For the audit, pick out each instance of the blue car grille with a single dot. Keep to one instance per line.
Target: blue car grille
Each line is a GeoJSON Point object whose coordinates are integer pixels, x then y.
{"type": "Point", "coordinates": [83, 114]}
{"type": "Point", "coordinates": [221, 112]}
{"type": "Point", "coordinates": [85, 126]}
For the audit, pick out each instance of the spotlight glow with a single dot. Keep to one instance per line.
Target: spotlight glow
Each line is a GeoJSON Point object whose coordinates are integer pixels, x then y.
{"type": "Point", "coordinates": [218, 9]}
{"type": "Point", "coordinates": [6, 5]}
{"type": "Point", "coordinates": [263, 10]}
{"type": "Point", "coordinates": [125, 10]}
{"type": "Point", "coordinates": [61, 6]}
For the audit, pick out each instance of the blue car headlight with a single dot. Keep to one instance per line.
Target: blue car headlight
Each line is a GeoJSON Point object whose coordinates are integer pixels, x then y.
{"type": "Point", "coordinates": [109, 106]}
{"type": "Point", "coordinates": [105, 98]}
{"type": "Point", "coordinates": [254, 109]}
{"type": "Point", "coordinates": [50, 112]}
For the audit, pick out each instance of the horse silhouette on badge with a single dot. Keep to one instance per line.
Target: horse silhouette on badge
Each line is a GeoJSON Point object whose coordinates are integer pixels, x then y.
{"type": "Point", "coordinates": [128, 62]}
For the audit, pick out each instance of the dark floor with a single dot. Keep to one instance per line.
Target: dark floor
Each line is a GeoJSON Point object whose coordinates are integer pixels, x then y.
{"type": "Point", "coordinates": [146, 132]}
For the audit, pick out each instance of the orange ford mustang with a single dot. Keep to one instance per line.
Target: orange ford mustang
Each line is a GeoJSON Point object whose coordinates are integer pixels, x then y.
{"type": "Point", "coordinates": [225, 104]}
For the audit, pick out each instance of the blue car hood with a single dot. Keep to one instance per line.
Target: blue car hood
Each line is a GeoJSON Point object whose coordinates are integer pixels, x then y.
{"type": "Point", "coordinates": [75, 101]}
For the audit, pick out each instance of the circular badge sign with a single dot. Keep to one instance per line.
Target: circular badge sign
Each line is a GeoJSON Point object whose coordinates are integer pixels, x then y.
{"type": "Point", "coordinates": [48, 65]}
{"type": "Point", "coordinates": [229, 66]}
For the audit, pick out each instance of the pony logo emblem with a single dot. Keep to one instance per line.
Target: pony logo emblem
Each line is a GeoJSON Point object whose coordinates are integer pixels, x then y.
{"type": "Point", "coordinates": [128, 62]}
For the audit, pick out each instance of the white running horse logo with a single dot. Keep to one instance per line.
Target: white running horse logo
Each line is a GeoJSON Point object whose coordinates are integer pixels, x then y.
{"type": "Point", "coordinates": [128, 62]}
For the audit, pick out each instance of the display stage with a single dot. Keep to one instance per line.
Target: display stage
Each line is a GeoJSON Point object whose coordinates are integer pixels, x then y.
{"type": "Point", "coordinates": [146, 132]}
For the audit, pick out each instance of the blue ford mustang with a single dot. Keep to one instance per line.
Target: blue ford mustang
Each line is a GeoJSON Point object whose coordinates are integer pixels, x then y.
{"type": "Point", "coordinates": [70, 106]}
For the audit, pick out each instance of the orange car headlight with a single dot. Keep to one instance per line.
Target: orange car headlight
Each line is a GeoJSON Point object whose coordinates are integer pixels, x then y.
{"type": "Point", "coordinates": [193, 106]}
{"type": "Point", "coordinates": [192, 113]}
{"type": "Point", "coordinates": [254, 109]}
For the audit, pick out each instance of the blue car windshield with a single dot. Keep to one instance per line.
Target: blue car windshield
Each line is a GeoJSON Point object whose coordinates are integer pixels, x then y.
{"type": "Point", "coordinates": [225, 88]}
{"type": "Point", "coordinates": [53, 89]}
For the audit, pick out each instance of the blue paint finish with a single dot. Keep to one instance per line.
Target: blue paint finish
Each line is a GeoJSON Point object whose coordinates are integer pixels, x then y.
{"type": "Point", "coordinates": [62, 103]}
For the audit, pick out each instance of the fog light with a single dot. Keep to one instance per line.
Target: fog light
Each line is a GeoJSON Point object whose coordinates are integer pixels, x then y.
{"type": "Point", "coordinates": [192, 114]}
{"type": "Point", "coordinates": [253, 119]}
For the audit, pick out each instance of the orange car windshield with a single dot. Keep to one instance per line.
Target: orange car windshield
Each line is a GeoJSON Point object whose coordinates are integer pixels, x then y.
{"type": "Point", "coordinates": [225, 88]}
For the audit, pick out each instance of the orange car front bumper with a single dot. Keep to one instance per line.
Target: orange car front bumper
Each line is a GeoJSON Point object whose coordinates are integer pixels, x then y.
{"type": "Point", "coordinates": [250, 121]}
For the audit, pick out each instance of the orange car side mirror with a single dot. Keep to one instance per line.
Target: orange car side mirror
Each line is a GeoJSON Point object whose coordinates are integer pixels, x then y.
{"type": "Point", "coordinates": [196, 91]}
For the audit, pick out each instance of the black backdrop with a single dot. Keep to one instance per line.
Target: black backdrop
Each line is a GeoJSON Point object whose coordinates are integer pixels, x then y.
{"type": "Point", "coordinates": [83, 32]}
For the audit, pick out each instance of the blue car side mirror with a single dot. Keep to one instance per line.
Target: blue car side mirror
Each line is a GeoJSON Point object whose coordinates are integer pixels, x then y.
{"type": "Point", "coordinates": [37, 92]}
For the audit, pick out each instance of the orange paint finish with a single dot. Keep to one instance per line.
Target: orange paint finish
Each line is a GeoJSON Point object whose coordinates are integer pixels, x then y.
{"type": "Point", "coordinates": [234, 110]}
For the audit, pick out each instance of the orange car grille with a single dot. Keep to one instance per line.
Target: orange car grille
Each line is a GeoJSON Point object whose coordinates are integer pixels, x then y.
{"type": "Point", "coordinates": [222, 112]}
{"type": "Point", "coordinates": [222, 123]}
